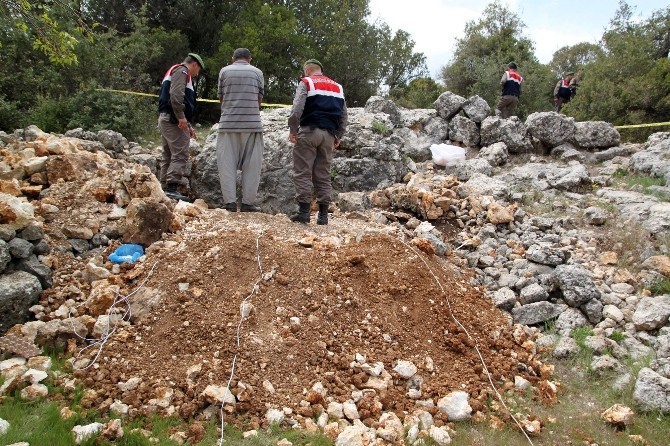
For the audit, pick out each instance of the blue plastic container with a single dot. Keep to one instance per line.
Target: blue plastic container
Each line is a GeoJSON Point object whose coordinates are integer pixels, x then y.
{"type": "Point", "coordinates": [127, 253]}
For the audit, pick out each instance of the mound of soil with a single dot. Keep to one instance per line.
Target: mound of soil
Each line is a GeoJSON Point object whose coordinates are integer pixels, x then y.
{"type": "Point", "coordinates": [321, 296]}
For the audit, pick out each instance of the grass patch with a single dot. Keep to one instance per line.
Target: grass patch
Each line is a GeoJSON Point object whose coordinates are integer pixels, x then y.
{"type": "Point", "coordinates": [381, 128]}
{"type": "Point", "coordinates": [661, 286]}
{"type": "Point", "coordinates": [617, 336]}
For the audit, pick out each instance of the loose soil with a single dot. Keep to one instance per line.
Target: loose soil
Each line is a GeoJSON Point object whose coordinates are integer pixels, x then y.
{"type": "Point", "coordinates": [355, 291]}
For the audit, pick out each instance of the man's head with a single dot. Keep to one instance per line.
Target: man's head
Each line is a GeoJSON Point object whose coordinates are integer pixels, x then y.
{"type": "Point", "coordinates": [312, 66]}
{"type": "Point", "coordinates": [194, 64]}
{"type": "Point", "coordinates": [242, 54]}
{"type": "Point", "coordinates": [512, 65]}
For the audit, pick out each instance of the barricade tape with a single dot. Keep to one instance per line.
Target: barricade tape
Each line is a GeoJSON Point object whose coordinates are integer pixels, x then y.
{"type": "Point", "coordinates": [633, 126]}
{"type": "Point", "coordinates": [215, 101]}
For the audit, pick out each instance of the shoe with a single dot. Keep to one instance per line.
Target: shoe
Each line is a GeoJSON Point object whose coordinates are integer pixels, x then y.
{"type": "Point", "coordinates": [179, 197]}
{"type": "Point", "coordinates": [231, 207]}
{"type": "Point", "coordinates": [249, 208]}
{"type": "Point", "coordinates": [302, 216]}
{"type": "Point", "coordinates": [322, 218]}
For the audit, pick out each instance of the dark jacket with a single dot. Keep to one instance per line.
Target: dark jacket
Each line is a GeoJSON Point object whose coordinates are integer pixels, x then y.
{"type": "Point", "coordinates": [324, 105]}
{"type": "Point", "coordinates": [177, 95]}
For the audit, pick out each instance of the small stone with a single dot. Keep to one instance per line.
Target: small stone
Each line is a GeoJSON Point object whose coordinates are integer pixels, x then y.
{"type": "Point", "coordinates": [618, 415]}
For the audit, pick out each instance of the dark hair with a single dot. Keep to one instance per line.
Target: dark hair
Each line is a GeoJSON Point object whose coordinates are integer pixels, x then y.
{"type": "Point", "coordinates": [241, 53]}
{"type": "Point", "coordinates": [512, 65]}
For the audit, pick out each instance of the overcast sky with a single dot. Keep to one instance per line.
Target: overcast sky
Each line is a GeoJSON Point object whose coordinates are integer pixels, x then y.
{"type": "Point", "coordinates": [550, 24]}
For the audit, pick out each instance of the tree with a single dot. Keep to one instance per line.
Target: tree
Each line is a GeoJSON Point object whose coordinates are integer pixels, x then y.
{"type": "Point", "coordinates": [419, 93]}
{"type": "Point", "coordinates": [574, 58]}
{"type": "Point", "coordinates": [400, 64]}
{"type": "Point", "coordinates": [628, 84]}
{"type": "Point", "coordinates": [490, 43]}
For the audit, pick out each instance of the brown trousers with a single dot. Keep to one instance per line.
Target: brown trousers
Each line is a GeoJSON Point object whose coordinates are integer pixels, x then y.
{"type": "Point", "coordinates": [312, 157]}
{"type": "Point", "coordinates": [175, 142]}
{"type": "Point", "coordinates": [507, 106]}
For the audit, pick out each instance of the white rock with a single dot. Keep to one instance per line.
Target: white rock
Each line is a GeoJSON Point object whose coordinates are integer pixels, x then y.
{"type": "Point", "coordinates": [11, 362]}
{"type": "Point", "coordinates": [375, 369]}
{"type": "Point", "coordinates": [335, 410]}
{"type": "Point", "coordinates": [455, 406]}
{"type": "Point", "coordinates": [269, 388]}
{"type": "Point", "coordinates": [83, 433]}
{"type": "Point", "coordinates": [118, 407]}
{"type": "Point", "coordinates": [390, 423]}
{"type": "Point", "coordinates": [353, 436]}
{"type": "Point", "coordinates": [34, 392]}
{"type": "Point", "coordinates": [405, 369]}
{"type": "Point", "coordinates": [350, 410]}
{"type": "Point", "coordinates": [4, 426]}
{"type": "Point", "coordinates": [40, 363]}
{"type": "Point", "coordinates": [274, 416]}
{"type": "Point", "coordinates": [131, 384]}
{"type": "Point", "coordinates": [34, 376]}
{"type": "Point", "coordinates": [218, 394]}
{"type": "Point", "coordinates": [521, 383]}
{"type": "Point", "coordinates": [251, 433]}
{"type": "Point", "coordinates": [612, 312]}
{"type": "Point", "coordinates": [440, 435]}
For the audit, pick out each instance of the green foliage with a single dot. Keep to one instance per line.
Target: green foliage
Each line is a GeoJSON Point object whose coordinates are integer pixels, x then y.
{"type": "Point", "coordinates": [482, 56]}
{"type": "Point", "coordinates": [617, 336]}
{"type": "Point", "coordinates": [10, 117]}
{"type": "Point", "coordinates": [381, 128]}
{"type": "Point", "coordinates": [419, 93]}
{"type": "Point", "coordinates": [580, 334]}
{"type": "Point", "coordinates": [662, 286]}
{"type": "Point", "coordinates": [574, 58]}
{"type": "Point", "coordinates": [629, 83]}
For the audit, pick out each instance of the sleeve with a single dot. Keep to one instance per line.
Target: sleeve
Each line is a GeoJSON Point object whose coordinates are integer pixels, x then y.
{"type": "Point", "coordinates": [344, 121]}
{"type": "Point", "coordinates": [557, 87]}
{"type": "Point", "coordinates": [298, 107]}
{"type": "Point", "coordinates": [261, 86]}
{"type": "Point", "coordinates": [219, 87]}
{"type": "Point", "coordinates": [177, 91]}
{"type": "Point", "coordinates": [503, 79]}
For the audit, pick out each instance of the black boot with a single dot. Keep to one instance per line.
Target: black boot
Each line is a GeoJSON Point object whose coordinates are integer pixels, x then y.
{"type": "Point", "coordinates": [171, 192]}
{"type": "Point", "coordinates": [302, 216]}
{"type": "Point", "coordinates": [322, 219]}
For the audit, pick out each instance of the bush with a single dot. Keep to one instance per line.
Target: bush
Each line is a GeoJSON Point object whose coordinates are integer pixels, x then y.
{"type": "Point", "coordinates": [10, 117]}
{"type": "Point", "coordinates": [96, 110]}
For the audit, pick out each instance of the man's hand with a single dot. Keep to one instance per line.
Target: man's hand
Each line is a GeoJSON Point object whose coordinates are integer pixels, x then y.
{"type": "Point", "coordinates": [191, 132]}
{"type": "Point", "coordinates": [336, 144]}
{"type": "Point", "coordinates": [293, 138]}
{"type": "Point", "coordinates": [183, 124]}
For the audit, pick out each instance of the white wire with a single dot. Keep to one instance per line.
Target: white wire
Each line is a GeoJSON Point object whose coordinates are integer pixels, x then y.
{"type": "Point", "coordinates": [239, 327]}
{"type": "Point", "coordinates": [481, 358]}
{"type": "Point", "coordinates": [107, 333]}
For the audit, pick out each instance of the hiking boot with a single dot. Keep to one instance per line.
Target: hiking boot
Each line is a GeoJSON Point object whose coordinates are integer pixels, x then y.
{"type": "Point", "coordinates": [302, 216]}
{"type": "Point", "coordinates": [249, 208]}
{"type": "Point", "coordinates": [322, 219]}
{"type": "Point", "coordinates": [231, 207]}
{"type": "Point", "coordinates": [172, 193]}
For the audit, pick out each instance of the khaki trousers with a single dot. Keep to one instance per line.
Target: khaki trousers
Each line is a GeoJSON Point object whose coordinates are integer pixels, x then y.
{"type": "Point", "coordinates": [507, 106]}
{"type": "Point", "coordinates": [175, 142]}
{"type": "Point", "coordinates": [312, 157]}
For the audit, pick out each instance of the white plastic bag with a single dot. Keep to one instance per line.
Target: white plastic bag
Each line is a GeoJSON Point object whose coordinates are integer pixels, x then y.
{"type": "Point", "coordinates": [444, 154]}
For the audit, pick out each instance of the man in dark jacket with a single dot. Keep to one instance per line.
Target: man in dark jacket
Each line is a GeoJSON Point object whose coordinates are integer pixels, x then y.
{"type": "Point", "coordinates": [176, 107]}
{"type": "Point", "coordinates": [510, 84]}
{"type": "Point", "coordinates": [564, 90]}
{"type": "Point", "coordinates": [317, 122]}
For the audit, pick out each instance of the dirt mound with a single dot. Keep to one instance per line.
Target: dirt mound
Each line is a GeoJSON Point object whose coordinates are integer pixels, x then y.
{"type": "Point", "coordinates": [330, 303]}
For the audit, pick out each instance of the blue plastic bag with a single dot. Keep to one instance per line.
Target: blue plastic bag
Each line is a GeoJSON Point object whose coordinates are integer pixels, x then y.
{"type": "Point", "coordinates": [127, 253]}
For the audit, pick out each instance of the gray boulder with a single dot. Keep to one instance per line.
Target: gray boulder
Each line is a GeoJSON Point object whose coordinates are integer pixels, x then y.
{"type": "Point", "coordinates": [593, 310]}
{"type": "Point", "coordinates": [536, 313]}
{"type": "Point", "coordinates": [610, 153]}
{"type": "Point", "coordinates": [576, 284]}
{"type": "Point", "coordinates": [464, 130]}
{"type": "Point", "coordinates": [476, 108]}
{"type": "Point", "coordinates": [18, 292]}
{"type": "Point", "coordinates": [464, 170]}
{"type": "Point", "coordinates": [570, 319]}
{"type": "Point", "coordinates": [377, 104]}
{"type": "Point", "coordinates": [533, 293]}
{"type": "Point", "coordinates": [596, 216]}
{"type": "Point", "coordinates": [652, 312]}
{"type": "Point", "coordinates": [596, 135]}
{"type": "Point", "coordinates": [496, 154]}
{"type": "Point", "coordinates": [510, 131]}
{"type": "Point", "coordinates": [546, 254]}
{"type": "Point", "coordinates": [19, 248]}
{"type": "Point", "coordinates": [448, 104]}
{"type": "Point", "coordinates": [112, 140]}
{"type": "Point", "coordinates": [567, 152]}
{"type": "Point", "coordinates": [652, 391]}
{"type": "Point", "coordinates": [5, 256]}
{"type": "Point", "coordinates": [550, 128]}
{"type": "Point", "coordinates": [482, 184]}
{"type": "Point", "coordinates": [565, 348]}
{"type": "Point", "coordinates": [504, 298]}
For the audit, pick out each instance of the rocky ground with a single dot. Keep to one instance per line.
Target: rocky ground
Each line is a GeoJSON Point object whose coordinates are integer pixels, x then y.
{"type": "Point", "coordinates": [372, 329]}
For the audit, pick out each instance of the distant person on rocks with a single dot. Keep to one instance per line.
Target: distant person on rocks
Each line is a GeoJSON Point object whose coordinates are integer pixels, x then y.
{"type": "Point", "coordinates": [317, 122]}
{"type": "Point", "coordinates": [239, 144]}
{"type": "Point", "coordinates": [510, 83]}
{"type": "Point", "coordinates": [176, 107]}
{"type": "Point", "coordinates": [564, 90]}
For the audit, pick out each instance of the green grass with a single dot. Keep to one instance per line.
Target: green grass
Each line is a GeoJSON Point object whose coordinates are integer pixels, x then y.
{"type": "Point", "coordinates": [617, 336]}
{"type": "Point", "coordinates": [381, 128]}
{"type": "Point", "coordinates": [645, 182]}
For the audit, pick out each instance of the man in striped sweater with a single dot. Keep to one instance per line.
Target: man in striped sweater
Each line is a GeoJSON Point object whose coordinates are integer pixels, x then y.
{"type": "Point", "coordinates": [239, 144]}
